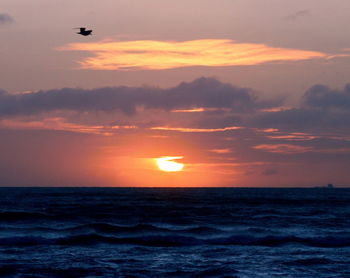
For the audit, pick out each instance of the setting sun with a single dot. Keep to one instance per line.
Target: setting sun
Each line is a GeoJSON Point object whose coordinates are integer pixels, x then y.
{"type": "Point", "coordinates": [168, 165]}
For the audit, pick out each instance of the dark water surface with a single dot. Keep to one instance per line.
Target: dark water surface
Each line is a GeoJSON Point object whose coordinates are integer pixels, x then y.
{"type": "Point", "coordinates": [172, 232]}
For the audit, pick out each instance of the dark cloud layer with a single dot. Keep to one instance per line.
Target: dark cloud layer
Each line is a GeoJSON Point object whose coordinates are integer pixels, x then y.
{"type": "Point", "coordinates": [203, 92]}
{"type": "Point", "coordinates": [5, 18]}
{"type": "Point", "coordinates": [303, 119]}
{"type": "Point", "coordinates": [321, 96]}
{"type": "Point", "coordinates": [321, 108]}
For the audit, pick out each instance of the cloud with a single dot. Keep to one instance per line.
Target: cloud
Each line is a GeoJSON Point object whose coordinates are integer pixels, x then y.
{"type": "Point", "coordinates": [269, 172]}
{"type": "Point", "coordinates": [203, 93]}
{"type": "Point", "coordinates": [338, 151]}
{"type": "Point", "coordinates": [293, 119]}
{"type": "Point", "coordinates": [321, 96]}
{"type": "Point", "coordinates": [200, 110]}
{"type": "Point", "coordinates": [321, 109]}
{"type": "Point", "coordinates": [201, 130]}
{"type": "Point", "coordinates": [160, 55]}
{"type": "Point", "coordinates": [6, 19]}
{"type": "Point", "coordinates": [204, 105]}
{"type": "Point", "coordinates": [60, 124]}
{"type": "Point", "coordinates": [297, 15]}
{"type": "Point", "coordinates": [187, 109]}
{"type": "Point", "coordinates": [221, 151]}
{"type": "Point", "coordinates": [283, 148]}
{"type": "Point", "coordinates": [293, 136]}
{"type": "Point", "coordinates": [48, 124]}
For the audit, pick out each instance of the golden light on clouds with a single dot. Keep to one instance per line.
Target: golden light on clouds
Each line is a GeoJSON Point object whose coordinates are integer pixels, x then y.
{"type": "Point", "coordinates": [200, 130]}
{"type": "Point", "coordinates": [221, 151]}
{"type": "Point", "coordinates": [199, 110]}
{"type": "Point", "coordinates": [61, 124]}
{"type": "Point", "coordinates": [167, 164]}
{"type": "Point", "coordinates": [159, 55]}
{"type": "Point", "coordinates": [194, 110]}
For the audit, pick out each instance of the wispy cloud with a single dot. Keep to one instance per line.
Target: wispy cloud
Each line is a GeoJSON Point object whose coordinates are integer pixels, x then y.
{"type": "Point", "coordinates": [269, 172]}
{"type": "Point", "coordinates": [60, 124]}
{"type": "Point", "coordinates": [160, 55]}
{"type": "Point", "coordinates": [56, 123]}
{"type": "Point", "coordinates": [6, 18]}
{"type": "Point", "coordinates": [297, 15]}
{"type": "Point", "coordinates": [294, 136]}
{"type": "Point", "coordinates": [296, 149]}
{"type": "Point", "coordinates": [283, 148]}
{"type": "Point", "coordinates": [345, 151]}
{"type": "Point", "coordinates": [221, 151]}
{"type": "Point", "coordinates": [199, 110]}
{"type": "Point", "coordinates": [185, 129]}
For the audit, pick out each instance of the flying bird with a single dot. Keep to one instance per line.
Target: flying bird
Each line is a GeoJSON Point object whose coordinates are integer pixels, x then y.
{"type": "Point", "coordinates": [84, 32]}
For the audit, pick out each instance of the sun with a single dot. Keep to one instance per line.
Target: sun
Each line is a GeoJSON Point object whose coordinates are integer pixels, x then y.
{"type": "Point", "coordinates": [167, 164]}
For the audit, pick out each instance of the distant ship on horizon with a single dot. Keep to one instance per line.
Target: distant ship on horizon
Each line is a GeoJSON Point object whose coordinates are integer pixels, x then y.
{"type": "Point", "coordinates": [330, 185]}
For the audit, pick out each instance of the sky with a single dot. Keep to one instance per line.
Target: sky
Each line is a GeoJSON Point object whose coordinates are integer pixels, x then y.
{"type": "Point", "coordinates": [242, 93]}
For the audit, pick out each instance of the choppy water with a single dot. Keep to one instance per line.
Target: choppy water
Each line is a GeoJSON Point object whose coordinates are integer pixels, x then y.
{"type": "Point", "coordinates": [130, 232]}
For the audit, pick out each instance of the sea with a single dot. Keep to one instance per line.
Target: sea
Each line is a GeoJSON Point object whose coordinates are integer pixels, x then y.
{"type": "Point", "coordinates": [175, 232]}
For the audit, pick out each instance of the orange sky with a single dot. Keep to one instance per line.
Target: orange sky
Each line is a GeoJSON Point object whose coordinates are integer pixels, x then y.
{"type": "Point", "coordinates": [247, 93]}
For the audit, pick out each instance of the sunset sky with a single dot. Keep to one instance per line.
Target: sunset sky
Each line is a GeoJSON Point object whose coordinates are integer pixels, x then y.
{"type": "Point", "coordinates": [175, 93]}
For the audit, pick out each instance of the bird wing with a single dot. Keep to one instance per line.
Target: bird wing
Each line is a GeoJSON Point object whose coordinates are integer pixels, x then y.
{"type": "Point", "coordinates": [82, 29]}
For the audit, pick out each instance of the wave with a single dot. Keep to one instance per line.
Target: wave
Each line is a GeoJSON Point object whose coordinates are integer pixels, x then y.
{"type": "Point", "coordinates": [12, 270]}
{"type": "Point", "coordinates": [275, 241]}
{"type": "Point", "coordinates": [143, 228]}
{"type": "Point", "coordinates": [105, 228]}
{"type": "Point", "coordinates": [115, 229]}
{"type": "Point", "coordinates": [223, 271]}
{"type": "Point", "coordinates": [310, 261]}
{"type": "Point", "coordinates": [178, 241]}
{"type": "Point", "coordinates": [22, 216]}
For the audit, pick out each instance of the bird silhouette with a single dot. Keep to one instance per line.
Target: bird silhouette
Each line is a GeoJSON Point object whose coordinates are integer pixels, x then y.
{"type": "Point", "coordinates": [84, 32]}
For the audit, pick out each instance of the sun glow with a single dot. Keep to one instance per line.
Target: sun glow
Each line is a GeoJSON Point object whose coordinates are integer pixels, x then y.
{"type": "Point", "coordinates": [168, 165]}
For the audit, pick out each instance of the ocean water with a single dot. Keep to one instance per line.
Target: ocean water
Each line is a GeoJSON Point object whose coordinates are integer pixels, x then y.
{"type": "Point", "coordinates": [174, 232]}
